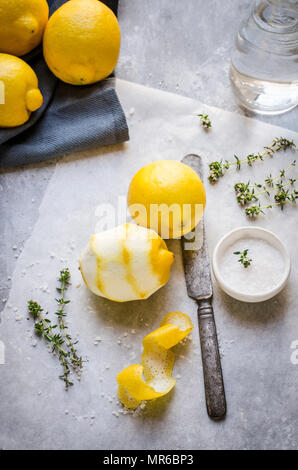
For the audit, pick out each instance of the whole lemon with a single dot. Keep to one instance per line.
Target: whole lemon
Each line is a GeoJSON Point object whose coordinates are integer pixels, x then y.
{"type": "Point", "coordinates": [82, 42]}
{"type": "Point", "coordinates": [168, 197]}
{"type": "Point", "coordinates": [20, 91]}
{"type": "Point", "coordinates": [22, 23]}
{"type": "Point", "coordinates": [126, 263]}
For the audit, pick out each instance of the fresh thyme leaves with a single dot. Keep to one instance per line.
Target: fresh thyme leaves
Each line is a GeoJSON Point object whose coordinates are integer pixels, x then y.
{"type": "Point", "coordinates": [246, 192]}
{"type": "Point", "coordinates": [283, 191]}
{"type": "Point", "coordinates": [43, 327]}
{"type": "Point", "coordinates": [64, 283]}
{"type": "Point", "coordinates": [219, 168]}
{"type": "Point", "coordinates": [243, 258]}
{"type": "Point", "coordinates": [281, 198]}
{"type": "Point", "coordinates": [62, 342]}
{"type": "Point", "coordinates": [205, 121]}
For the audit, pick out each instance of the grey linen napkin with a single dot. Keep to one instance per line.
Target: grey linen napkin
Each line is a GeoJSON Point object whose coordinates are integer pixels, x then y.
{"type": "Point", "coordinates": [71, 118]}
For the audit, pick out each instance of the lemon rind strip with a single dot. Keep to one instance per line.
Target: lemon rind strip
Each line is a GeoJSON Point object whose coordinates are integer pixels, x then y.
{"type": "Point", "coordinates": [156, 364]}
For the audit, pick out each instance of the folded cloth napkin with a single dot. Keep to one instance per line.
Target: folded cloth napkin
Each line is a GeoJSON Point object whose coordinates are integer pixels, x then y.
{"type": "Point", "coordinates": [71, 117]}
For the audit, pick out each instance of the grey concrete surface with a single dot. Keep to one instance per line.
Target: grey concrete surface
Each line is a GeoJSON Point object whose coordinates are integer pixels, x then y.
{"type": "Point", "coordinates": [178, 46]}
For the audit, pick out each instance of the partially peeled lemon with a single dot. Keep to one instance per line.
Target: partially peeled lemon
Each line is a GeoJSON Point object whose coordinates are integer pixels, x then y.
{"type": "Point", "coordinates": [126, 263]}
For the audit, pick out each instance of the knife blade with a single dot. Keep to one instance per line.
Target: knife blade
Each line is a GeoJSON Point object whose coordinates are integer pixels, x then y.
{"type": "Point", "coordinates": [199, 287]}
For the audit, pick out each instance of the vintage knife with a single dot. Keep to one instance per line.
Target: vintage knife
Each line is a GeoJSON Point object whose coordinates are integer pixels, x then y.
{"type": "Point", "coordinates": [199, 288]}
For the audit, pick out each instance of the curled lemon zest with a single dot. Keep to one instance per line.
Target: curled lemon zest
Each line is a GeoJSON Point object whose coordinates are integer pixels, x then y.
{"type": "Point", "coordinates": [156, 364]}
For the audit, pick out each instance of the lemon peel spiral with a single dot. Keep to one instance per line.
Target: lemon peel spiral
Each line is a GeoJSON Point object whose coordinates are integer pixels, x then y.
{"type": "Point", "coordinates": [156, 364]}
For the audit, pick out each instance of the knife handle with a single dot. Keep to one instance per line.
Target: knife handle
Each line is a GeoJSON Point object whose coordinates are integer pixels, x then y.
{"type": "Point", "coordinates": [214, 386]}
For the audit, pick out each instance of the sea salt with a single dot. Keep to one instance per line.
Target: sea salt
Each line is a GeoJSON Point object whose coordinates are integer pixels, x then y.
{"type": "Point", "coordinates": [264, 273]}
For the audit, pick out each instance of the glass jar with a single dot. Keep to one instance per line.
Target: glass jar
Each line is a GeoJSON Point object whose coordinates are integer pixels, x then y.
{"type": "Point", "coordinates": [264, 64]}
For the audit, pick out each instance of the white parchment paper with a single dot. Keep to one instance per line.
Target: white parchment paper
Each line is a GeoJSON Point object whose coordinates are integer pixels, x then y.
{"type": "Point", "coordinates": [255, 340]}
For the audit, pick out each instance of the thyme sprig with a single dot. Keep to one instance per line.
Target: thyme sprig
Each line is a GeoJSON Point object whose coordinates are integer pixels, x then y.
{"type": "Point", "coordinates": [283, 191]}
{"type": "Point", "coordinates": [64, 283]}
{"type": "Point", "coordinates": [205, 120]}
{"type": "Point", "coordinates": [282, 197]}
{"type": "Point", "coordinates": [246, 192]}
{"type": "Point", "coordinates": [61, 342]}
{"type": "Point", "coordinates": [243, 257]}
{"type": "Point", "coordinates": [219, 168]}
{"type": "Point", "coordinates": [43, 327]}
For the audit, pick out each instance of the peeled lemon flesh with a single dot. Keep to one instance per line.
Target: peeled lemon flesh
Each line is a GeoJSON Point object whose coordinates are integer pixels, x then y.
{"type": "Point", "coordinates": [126, 263]}
{"type": "Point", "coordinates": [22, 23]}
{"type": "Point", "coordinates": [168, 197]}
{"type": "Point", "coordinates": [20, 91]}
{"type": "Point", "coordinates": [82, 42]}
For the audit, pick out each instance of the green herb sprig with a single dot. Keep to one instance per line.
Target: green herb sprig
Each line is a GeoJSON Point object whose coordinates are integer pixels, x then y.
{"type": "Point", "coordinates": [246, 192]}
{"type": "Point", "coordinates": [61, 342]}
{"type": "Point", "coordinates": [219, 168]}
{"type": "Point", "coordinates": [64, 283]}
{"type": "Point", "coordinates": [281, 198]}
{"type": "Point", "coordinates": [205, 121]}
{"type": "Point", "coordinates": [243, 258]}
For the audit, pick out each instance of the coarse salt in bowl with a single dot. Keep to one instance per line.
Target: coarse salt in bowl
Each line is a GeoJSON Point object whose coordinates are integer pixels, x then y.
{"type": "Point", "coordinates": [267, 273]}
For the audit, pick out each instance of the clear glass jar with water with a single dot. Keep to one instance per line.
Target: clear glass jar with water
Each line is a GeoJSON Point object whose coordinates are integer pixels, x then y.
{"type": "Point", "coordinates": [264, 65]}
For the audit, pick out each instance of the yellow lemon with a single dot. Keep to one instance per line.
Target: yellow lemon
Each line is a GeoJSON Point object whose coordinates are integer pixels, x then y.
{"type": "Point", "coordinates": [82, 42]}
{"type": "Point", "coordinates": [22, 23]}
{"type": "Point", "coordinates": [20, 91]}
{"type": "Point", "coordinates": [167, 196]}
{"type": "Point", "coordinates": [126, 263]}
